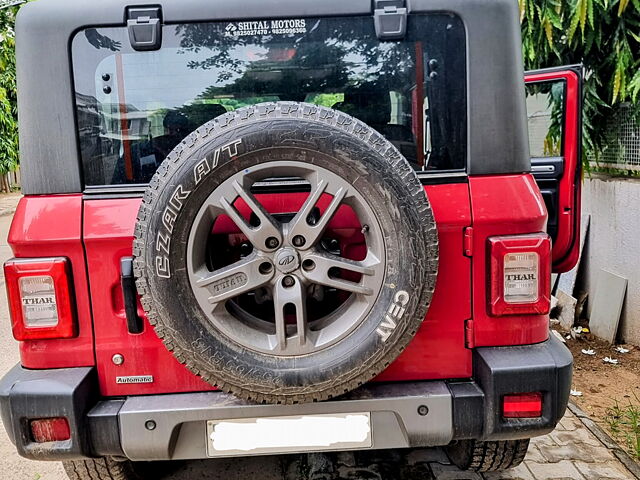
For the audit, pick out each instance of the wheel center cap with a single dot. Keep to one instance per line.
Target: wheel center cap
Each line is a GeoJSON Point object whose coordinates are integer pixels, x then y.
{"type": "Point", "coordinates": [287, 260]}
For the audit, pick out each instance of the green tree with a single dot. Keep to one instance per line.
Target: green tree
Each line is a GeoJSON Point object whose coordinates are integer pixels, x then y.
{"type": "Point", "coordinates": [8, 101]}
{"type": "Point", "coordinates": [603, 35]}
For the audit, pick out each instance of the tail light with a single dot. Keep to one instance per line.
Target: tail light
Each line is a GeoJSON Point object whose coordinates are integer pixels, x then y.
{"type": "Point", "coordinates": [50, 430]}
{"type": "Point", "coordinates": [522, 405]}
{"type": "Point", "coordinates": [40, 298]}
{"type": "Point", "coordinates": [520, 274]}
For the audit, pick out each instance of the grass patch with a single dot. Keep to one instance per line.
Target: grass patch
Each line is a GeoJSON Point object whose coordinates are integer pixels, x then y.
{"type": "Point", "coordinates": [624, 422]}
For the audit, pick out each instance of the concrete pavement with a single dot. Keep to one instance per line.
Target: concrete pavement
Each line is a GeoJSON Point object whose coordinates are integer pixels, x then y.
{"type": "Point", "coordinates": [573, 451]}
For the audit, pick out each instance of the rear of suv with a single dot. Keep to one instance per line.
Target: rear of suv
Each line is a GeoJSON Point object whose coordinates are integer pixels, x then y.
{"type": "Point", "coordinates": [321, 226]}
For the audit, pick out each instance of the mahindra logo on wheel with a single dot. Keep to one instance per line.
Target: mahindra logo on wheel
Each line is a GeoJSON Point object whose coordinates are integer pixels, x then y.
{"type": "Point", "coordinates": [288, 260]}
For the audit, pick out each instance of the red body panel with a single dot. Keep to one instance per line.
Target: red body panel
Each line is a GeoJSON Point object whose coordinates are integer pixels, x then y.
{"type": "Point", "coordinates": [108, 234]}
{"type": "Point", "coordinates": [503, 205]}
{"type": "Point", "coordinates": [498, 205]}
{"type": "Point", "coordinates": [438, 350]}
{"type": "Point", "coordinates": [566, 247]}
{"type": "Point", "coordinates": [50, 226]}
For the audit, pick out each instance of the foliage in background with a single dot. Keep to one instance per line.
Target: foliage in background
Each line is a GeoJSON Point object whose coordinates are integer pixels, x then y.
{"type": "Point", "coordinates": [8, 101]}
{"type": "Point", "coordinates": [603, 35]}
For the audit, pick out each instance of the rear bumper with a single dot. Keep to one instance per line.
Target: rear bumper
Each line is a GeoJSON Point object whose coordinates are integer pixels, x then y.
{"type": "Point", "coordinates": [454, 410]}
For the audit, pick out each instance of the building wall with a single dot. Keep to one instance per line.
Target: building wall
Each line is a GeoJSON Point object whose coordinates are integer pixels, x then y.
{"type": "Point", "coordinates": [613, 243]}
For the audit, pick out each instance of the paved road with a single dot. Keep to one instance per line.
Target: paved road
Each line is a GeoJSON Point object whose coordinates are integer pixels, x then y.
{"type": "Point", "coordinates": [571, 452]}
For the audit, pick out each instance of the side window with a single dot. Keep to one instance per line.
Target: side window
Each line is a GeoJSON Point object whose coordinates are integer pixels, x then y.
{"type": "Point", "coordinates": [545, 110]}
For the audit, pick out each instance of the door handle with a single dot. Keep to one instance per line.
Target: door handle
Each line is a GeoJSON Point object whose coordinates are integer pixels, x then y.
{"type": "Point", "coordinates": [543, 168]}
{"type": "Point", "coordinates": [130, 295]}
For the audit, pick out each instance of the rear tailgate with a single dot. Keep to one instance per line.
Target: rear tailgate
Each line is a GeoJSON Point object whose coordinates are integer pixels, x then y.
{"type": "Point", "coordinates": [437, 352]}
{"type": "Point", "coordinates": [148, 366]}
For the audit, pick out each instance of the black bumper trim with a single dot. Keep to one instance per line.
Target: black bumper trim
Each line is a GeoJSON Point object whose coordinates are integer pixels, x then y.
{"type": "Point", "coordinates": [104, 428]}
{"type": "Point", "coordinates": [545, 367]}
{"type": "Point", "coordinates": [468, 409]}
{"type": "Point", "coordinates": [31, 394]}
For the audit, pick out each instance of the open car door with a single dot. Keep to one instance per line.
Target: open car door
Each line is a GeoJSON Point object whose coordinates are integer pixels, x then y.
{"type": "Point", "coordinates": [554, 111]}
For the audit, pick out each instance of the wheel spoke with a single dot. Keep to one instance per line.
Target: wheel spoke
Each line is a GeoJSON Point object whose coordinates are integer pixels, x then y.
{"type": "Point", "coordinates": [312, 233]}
{"type": "Point", "coordinates": [257, 235]}
{"type": "Point", "coordinates": [237, 299]}
{"type": "Point", "coordinates": [296, 296]}
{"type": "Point", "coordinates": [324, 263]}
{"type": "Point", "coordinates": [235, 279]}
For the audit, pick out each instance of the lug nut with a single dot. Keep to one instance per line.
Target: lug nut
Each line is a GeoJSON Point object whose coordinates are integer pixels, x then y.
{"type": "Point", "coordinates": [272, 242]}
{"type": "Point", "coordinates": [299, 241]}
{"type": "Point", "coordinates": [265, 268]}
{"type": "Point", "coordinates": [308, 265]}
{"type": "Point", "coordinates": [246, 249]}
{"type": "Point", "coordinates": [288, 281]}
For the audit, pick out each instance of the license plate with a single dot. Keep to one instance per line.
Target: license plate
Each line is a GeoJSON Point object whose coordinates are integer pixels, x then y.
{"type": "Point", "coordinates": [252, 436]}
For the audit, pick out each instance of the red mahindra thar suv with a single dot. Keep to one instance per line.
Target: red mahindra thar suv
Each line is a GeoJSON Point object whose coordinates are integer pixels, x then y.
{"type": "Point", "coordinates": [315, 226]}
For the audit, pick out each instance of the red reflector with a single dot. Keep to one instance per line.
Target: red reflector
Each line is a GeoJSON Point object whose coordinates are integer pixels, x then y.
{"type": "Point", "coordinates": [522, 405]}
{"type": "Point", "coordinates": [50, 430]}
{"type": "Point", "coordinates": [40, 298]}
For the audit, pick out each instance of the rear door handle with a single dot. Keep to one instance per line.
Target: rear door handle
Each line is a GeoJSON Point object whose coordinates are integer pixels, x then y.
{"type": "Point", "coordinates": [130, 295]}
{"type": "Point", "coordinates": [543, 169]}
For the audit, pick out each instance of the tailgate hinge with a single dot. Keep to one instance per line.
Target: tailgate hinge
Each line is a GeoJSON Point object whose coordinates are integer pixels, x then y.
{"type": "Point", "coordinates": [145, 27]}
{"type": "Point", "coordinates": [469, 340]}
{"type": "Point", "coordinates": [390, 19]}
{"type": "Point", "coordinates": [467, 246]}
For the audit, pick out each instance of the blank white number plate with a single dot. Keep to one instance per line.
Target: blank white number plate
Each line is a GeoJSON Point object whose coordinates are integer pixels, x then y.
{"type": "Point", "coordinates": [252, 436]}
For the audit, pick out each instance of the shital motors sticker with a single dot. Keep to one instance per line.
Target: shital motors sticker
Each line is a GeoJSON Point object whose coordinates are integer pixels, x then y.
{"type": "Point", "coordinates": [266, 27]}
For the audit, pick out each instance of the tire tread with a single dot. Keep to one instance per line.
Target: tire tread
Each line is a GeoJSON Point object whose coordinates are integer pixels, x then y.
{"type": "Point", "coordinates": [104, 468]}
{"type": "Point", "coordinates": [488, 456]}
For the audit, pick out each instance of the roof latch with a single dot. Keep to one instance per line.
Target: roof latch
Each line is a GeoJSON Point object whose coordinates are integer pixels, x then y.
{"type": "Point", "coordinates": [145, 27]}
{"type": "Point", "coordinates": [390, 19]}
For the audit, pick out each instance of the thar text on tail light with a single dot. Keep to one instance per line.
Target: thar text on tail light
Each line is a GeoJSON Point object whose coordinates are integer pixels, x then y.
{"type": "Point", "coordinates": [520, 274]}
{"type": "Point", "coordinates": [40, 298]}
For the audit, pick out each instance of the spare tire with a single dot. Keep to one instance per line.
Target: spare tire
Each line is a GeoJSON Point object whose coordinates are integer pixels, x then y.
{"type": "Point", "coordinates": [287, 316]}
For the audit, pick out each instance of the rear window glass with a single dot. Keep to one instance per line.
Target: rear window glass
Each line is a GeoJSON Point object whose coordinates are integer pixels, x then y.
{"type": "Point", "coordinates": [133, 107]}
